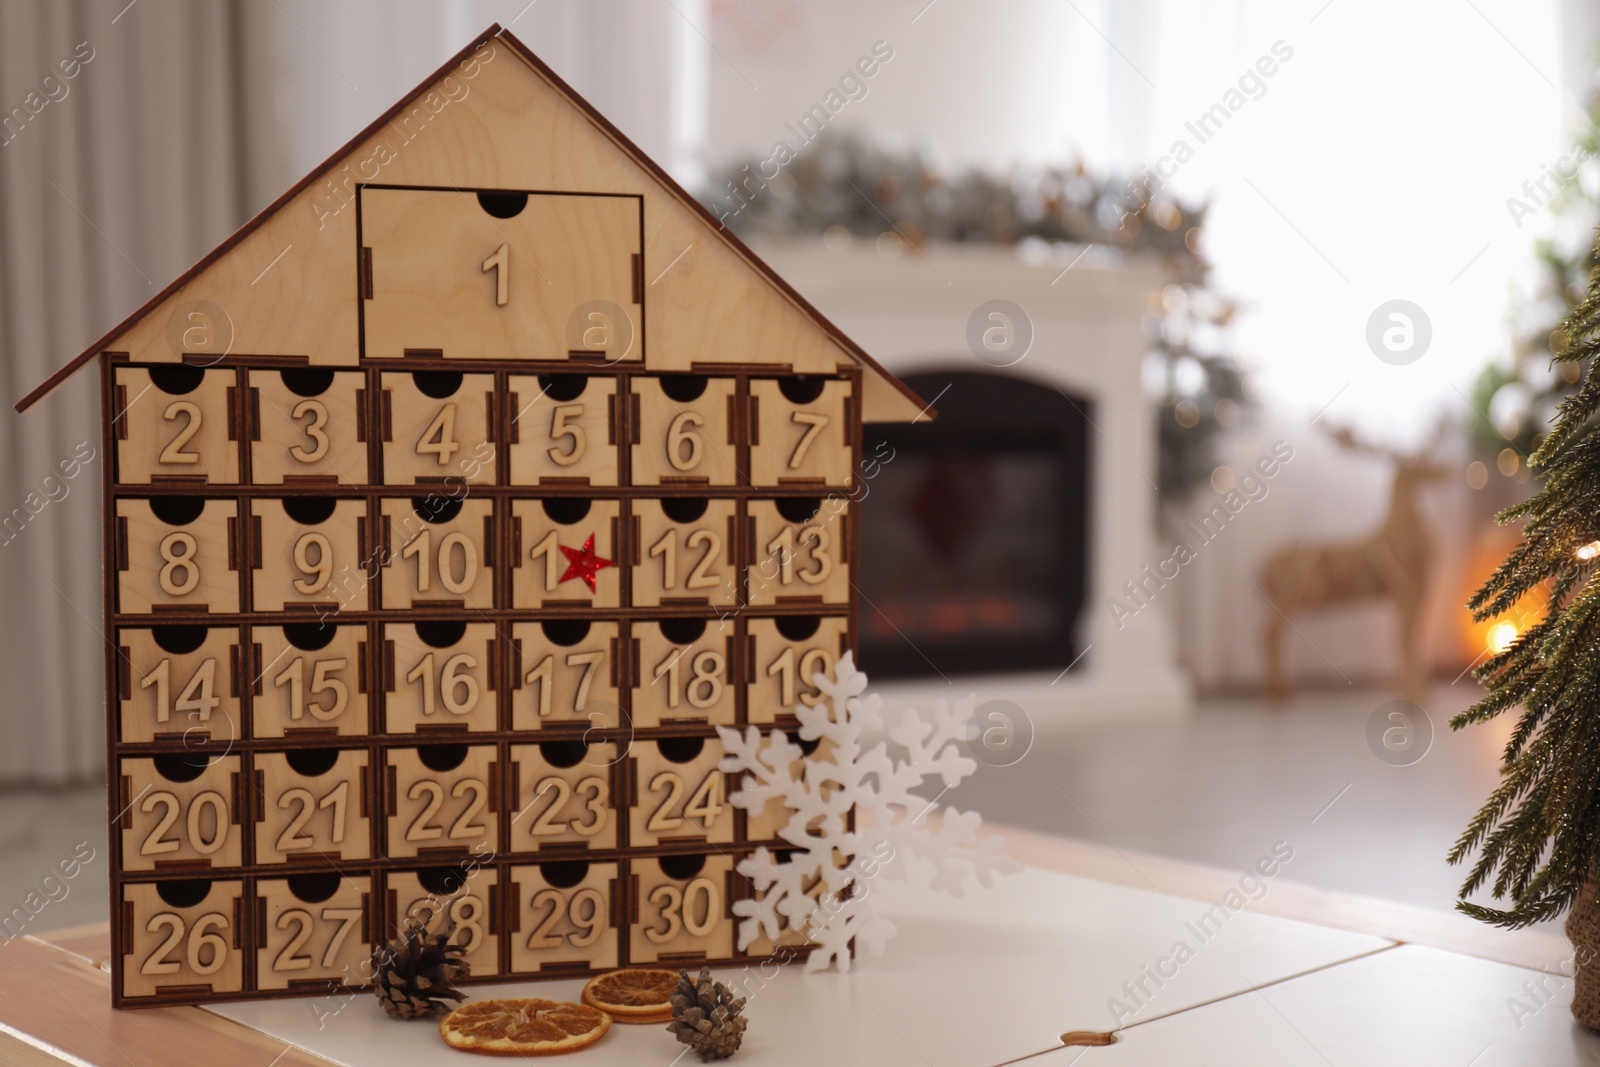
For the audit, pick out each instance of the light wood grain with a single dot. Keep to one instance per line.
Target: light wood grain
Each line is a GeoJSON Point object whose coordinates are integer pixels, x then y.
{"type": "Point", "coordinates": [168, 823]}
{"type": "Point", "coordinates": [781, 670]}
{"type": "Point", "coordinates": [567, 439]}
{"type": "Point", "coordinates": [681, 918]}
{"type": "Point", "coordinates": [564, 808]}
{"type": "Point", "coordinates": [455, 810]}
{"type": "Point", "coordinates": [180, 694]}
{"type": "Point", "coordinates": [309, 565]}
{"type": "Point", "coordinates": [433, 286]}
{"type": "Point", "coordinates": [323, 817]}
{"type": "Point", "coordinates": [568, 923]}
{"type": "Point", "coordinates": [176, 434]}
{"type": "Point", "coordinates": [155, 569]}
{"type": "Point", "coordinates": [300, 690]}
{"type": "Point", "coordinates": [685, 442]}
{"type": "Point", "coordinates": [690, 682]}
{"type": "Point", "coordinates": [800, 561]}
{"type": "Point", "coordinates": [55, 1007]}
{"type": "Point", "coordinates": [539, 572]}
{"type": "Point", "coordinates": [558, 685]}
{"type": "Point", "coordinates": [439, 562]}
{"type": "Point", "coordinates": [315, 940]}
{"type": "Point", "coordinates": [171, 947]}
{"type": "Point", "coordinates": [297, 436]}
{"type": "Point", "coordinates": [801, 443]}
{"type": "Point", "coordinates": [439, 689]}
{"type": "Point", "coordinates": [680, 800]}
{"type": "Point", "coordinates": [438, 439]}
{"type": "Point", "coordinates": [463, 897]}
{"type": "Point", "coordinates": [685, 562]}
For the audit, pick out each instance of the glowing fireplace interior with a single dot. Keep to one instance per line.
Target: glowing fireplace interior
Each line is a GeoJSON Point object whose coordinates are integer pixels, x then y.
{"type": "Point", "coordinates": [974, 530]}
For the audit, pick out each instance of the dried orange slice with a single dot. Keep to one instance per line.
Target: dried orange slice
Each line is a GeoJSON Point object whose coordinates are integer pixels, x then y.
{"type": "Point", "coordinates": [523, 1027]}
{"type": "Point", "coordinates": [632, 995]}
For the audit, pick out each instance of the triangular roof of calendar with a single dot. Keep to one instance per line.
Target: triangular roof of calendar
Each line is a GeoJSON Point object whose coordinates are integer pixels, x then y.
{"type": "Point", "coordinates": [517, 125]}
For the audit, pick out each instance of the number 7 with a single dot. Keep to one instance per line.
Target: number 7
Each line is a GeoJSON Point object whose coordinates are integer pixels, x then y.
{"type": "Point", "coordinates": [815, 423]}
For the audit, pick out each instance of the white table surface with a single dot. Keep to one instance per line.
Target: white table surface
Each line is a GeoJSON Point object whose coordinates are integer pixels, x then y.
{"type": "Point", "coordinates": [969, 982]}
{"type": "Point", "coordinates": [1409, 1006]}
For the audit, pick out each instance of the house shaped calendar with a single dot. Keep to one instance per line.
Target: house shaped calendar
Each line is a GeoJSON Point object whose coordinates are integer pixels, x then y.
{"type": "Point", "coordinates": [455, 500]}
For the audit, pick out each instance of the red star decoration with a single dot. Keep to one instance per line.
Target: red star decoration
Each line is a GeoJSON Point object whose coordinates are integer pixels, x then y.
{"type": "Point", "coordinates": [583, 563]}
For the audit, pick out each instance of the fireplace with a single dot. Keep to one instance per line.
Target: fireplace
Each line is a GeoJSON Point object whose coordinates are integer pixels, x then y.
{"type": "Point", "coordinates": [974, 530]}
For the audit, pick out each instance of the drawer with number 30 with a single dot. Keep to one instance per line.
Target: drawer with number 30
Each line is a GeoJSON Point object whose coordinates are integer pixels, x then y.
{"type": "Point", "coordinates": [681, 909]}
{"type": "Point", "coordinates": [566, 917]}
{"type": "Point", "coordinates": [180, 811]}
{"type": "Point", "coordinates": [563, 430]}
{"type": "Point", "coordinates": [313, 930]}
{"type": "Point", "coordinates": [179, 935]}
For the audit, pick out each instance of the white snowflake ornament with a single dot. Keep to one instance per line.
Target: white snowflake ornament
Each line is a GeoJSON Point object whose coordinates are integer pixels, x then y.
{"type": "Point", "coordinates": [822, 885]}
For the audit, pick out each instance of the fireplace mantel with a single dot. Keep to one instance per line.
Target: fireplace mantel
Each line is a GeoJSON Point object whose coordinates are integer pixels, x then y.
{"type": "Point", "coordinates": [911, 312]}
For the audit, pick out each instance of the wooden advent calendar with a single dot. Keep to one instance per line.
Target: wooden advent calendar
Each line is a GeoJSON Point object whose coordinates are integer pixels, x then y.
{"type": "Point", "coordinates": [454, 501]}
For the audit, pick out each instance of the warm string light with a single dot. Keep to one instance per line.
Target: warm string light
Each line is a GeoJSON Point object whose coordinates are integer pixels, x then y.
{"type": "Point", "coordinates": [1588, 551]}
{"type": "Point", "coordinates": [1501, 636]}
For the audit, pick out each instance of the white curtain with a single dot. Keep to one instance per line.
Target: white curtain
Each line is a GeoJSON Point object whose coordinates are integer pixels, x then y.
{"type": "Point", "coordinates": [127, 144]}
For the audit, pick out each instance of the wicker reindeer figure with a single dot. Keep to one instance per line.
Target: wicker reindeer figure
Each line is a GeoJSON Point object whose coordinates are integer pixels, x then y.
{"type": "Point", "coordinates": [1390, 564]}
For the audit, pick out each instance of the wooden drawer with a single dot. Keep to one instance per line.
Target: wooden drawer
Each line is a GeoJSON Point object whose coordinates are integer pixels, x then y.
{"type": "Point", "coordinates": [179, 682]}
{"type": "Point", "coordinates": [681, 909]}
{"type": "Point", "coordinates": [685, 431]}
{"type": "Point", "coordinates": [501, 274]}
{"type": "Point", "coordinates": [310, 681]}
{"type": "Point", "coordinates": [176, 424]}
{"type": "Point", "coordinates": [439, 552]}
{"type": "Point", "coordinates": [177, 553]}
{"type": "Point", "coordinates": [565, 674]}
{"type": "Point", "coordinates": [308, 426]}
{"type": "Point", "coordinates": [566, 796]}
{"type": "Point", "coordinates": [310, 554]}
{"type": "Point", "coordinates": [800, 551]}
{"type": "Point", "coordinates": [800, 432]}
{"type": "Point", "coordinates": [314, 804]}
{"type": "Point", "coordinates": [313, 930]}
{"type": "Point", "coordinates": [563, 543]}
{"type": "Point", "coordinates": [438, 425]}
{"type": "Point", "coordinates": [467, 895]}
{"type": "Point", "coordinates": [566, 918]}
{"type": "Point", "coordinates": [439, 677]}
{"type": "Point", "coordinates": [683, 672]}
{"type": "Point", "coordinates": [785, 654]}
{"type": "Point", "coordinates": [443, 800]}
{"type": "Point", "coordinates": [677, 794]}
{"type": "Point", "coordinates": [684, 552]}
{"type": "Point", "coordinates": [183, 937]}
{"type": "Point", "coordinates": [768, 823]}
{"type": "Point", "coordinates": [181, 812]}
{"type": "Point", "coordinates": [563, 430]}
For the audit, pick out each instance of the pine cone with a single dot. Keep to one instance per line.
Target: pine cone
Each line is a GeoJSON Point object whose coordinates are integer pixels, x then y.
{"type": "Point", "coordinates": [414, 974]}
{"type": "Point", "coordinates": [705, 1016]}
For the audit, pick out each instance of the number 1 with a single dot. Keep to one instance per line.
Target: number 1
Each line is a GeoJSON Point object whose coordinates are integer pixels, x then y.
{"type": "Point", "coordinates": [500, 263]}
